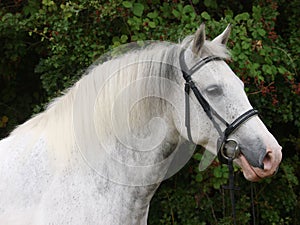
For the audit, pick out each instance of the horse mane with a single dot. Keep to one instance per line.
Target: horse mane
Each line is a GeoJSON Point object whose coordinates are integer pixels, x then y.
{"type": "Point", "coordinates": [158, 59]}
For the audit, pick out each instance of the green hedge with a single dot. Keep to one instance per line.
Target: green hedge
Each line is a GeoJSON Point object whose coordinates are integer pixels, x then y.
{"type": "Point", "coordinates": [46, 45]}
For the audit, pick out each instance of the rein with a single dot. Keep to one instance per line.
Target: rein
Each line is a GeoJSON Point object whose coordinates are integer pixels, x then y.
{"type": "Point", "coordinates": [227, 149]}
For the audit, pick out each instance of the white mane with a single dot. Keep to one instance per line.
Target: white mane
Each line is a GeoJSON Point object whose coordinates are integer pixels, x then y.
{"type": "Point", "coordinates": [160, 60]}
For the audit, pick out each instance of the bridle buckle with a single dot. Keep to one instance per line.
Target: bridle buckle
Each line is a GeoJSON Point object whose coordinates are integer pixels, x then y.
{"type": "Point", "coordinates": [230, 149]}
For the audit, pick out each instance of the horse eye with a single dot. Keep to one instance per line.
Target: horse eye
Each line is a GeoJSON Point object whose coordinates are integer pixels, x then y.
{"type": "Point", "coordinates": [214, 90]}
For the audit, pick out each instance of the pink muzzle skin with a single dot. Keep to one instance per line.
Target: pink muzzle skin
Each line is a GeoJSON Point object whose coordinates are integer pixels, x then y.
{"type": "Point", "coordinates": [271, 163]}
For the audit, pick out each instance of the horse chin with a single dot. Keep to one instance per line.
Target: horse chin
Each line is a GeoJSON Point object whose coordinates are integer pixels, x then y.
{"type": "Point", "coordinates": [248, 170]}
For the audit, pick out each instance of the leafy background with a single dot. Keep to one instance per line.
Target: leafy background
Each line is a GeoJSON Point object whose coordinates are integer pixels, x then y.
{"type": "Point", "coordinates": [47, 44]}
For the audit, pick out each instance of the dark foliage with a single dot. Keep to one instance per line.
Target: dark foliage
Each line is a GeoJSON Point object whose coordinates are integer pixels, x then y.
{"type": "Point", "coordinates": [46, 45]}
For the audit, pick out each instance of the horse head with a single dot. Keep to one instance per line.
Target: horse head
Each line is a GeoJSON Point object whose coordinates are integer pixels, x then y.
{"type": "Point", "coordinates": [218, 108]}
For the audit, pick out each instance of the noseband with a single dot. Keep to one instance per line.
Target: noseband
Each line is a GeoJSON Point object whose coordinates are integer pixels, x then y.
{"type": "Point", "coordinates": [226, 148]}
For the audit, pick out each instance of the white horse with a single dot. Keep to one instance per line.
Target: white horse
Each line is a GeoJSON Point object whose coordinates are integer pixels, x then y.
{"type": "Point", "coordinates": [99, 152]}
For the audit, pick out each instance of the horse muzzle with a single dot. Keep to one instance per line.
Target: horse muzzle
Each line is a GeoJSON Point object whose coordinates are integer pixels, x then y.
{"type": "Point", "coordinates": [270, 165]}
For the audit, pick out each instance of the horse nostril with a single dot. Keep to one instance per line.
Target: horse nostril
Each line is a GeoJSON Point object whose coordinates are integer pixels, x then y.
{"type": "Point", "coordinates": [267, 162]}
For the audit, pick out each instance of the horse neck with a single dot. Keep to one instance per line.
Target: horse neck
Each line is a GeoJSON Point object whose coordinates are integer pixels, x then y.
{"type": "Point", "coordinates": [127, 159]}
{"type": "Point", "coordinates": [136, 151]}
{"type": "Point", "coordinates": [130, 111]}
{"type": "Point", "coordinates": [122, 141]}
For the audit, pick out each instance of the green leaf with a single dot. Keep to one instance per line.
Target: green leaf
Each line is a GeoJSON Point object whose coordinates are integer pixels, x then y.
{"type": "Point", "coordinates": [199, 177]}
{"type": "Point", "coordinates": [176, 13]}
{"type": "Point", "coordinates": [256, 12]}
{"type": "Point", "coordinates": [267, 69]}
{"type": "Point", "coordinates": [138, 9]}
{"type": "Point", "coordinates": [188, 9]}
{"type": "Point", "coordinates": [217, 185]}
{"type": "Point", "coordinates": [261, 32]}
{"type": "Point", "coordinates": [124, 38]}
{"type": "Point", "coordinates": [255, 66]}
{"type": "Point", "coordinates": [197, 156]}
{"type": "Point", "coordinates": [205, 15]}
{"type": "Point", "coordinates": [180, 7]}
{"type": "Point", "coordinates": [152, 15]}
{"type": "Point", "coordinates": [218, 172]}
{"type": "Point", "coordinates": [242, 17]}
{"type": "Point", "coordinates": [246, 45]}
{"type": "Point", "coordinates": [282, 70]}
{"type": "Point", "coordinates": [127, 4]}
{"type": "Point", "coordinates": [152, 24]}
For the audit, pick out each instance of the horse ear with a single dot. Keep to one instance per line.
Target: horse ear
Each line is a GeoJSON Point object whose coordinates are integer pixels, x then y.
{"type": "Point", "coordinates": [223, 38]}
{"type": "Point", "coordinates": [199, 39]}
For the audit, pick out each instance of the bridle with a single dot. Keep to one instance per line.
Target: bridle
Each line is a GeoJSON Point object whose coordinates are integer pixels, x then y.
{"type": "Point", "coordinates": [223, 140]}
{"type": "Point", "coordinates": [227, 149]}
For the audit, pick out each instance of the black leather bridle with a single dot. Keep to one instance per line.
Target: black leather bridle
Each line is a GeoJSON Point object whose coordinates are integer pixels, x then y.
{"type": "Point", "coordinates": [227, 149]}
{"type": "Point", "coordinates": [224, 153]}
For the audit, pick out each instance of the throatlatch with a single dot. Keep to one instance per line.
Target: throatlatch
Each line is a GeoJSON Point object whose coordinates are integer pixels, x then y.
{"type": "Point", "coordinates": [227, 149]}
